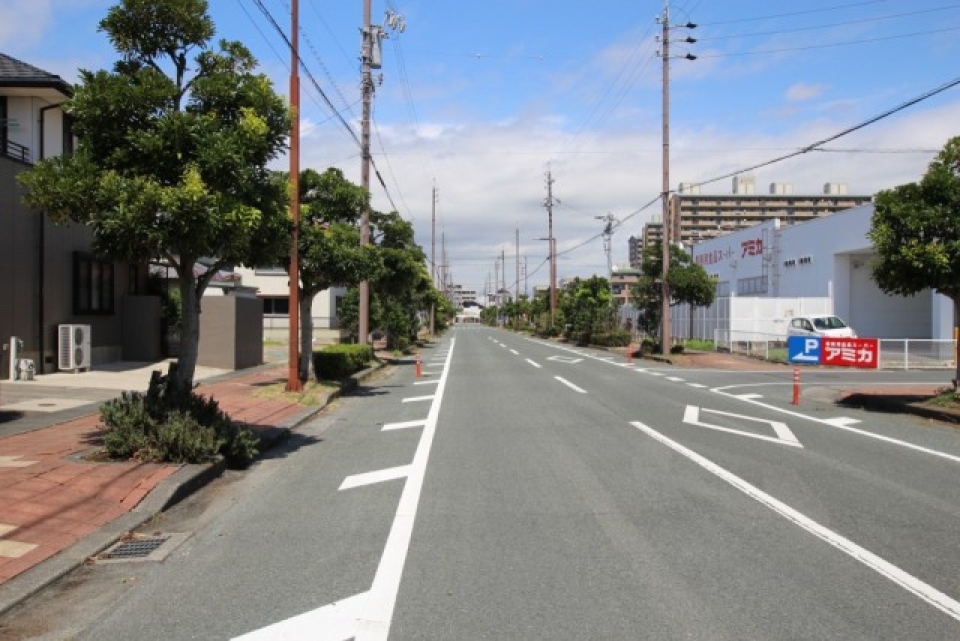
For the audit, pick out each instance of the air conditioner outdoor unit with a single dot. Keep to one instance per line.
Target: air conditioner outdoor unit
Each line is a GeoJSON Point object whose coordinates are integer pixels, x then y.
{"type": "Point", "coordinates": [74, 347]}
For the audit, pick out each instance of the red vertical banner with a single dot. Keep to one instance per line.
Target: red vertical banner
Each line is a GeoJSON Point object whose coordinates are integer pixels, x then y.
{"type": "Point", "coordinates": [850, 352]}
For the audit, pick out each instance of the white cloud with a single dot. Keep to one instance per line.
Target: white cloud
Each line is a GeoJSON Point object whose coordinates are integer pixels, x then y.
{"type": "Point", "coordinates": [804, 91]}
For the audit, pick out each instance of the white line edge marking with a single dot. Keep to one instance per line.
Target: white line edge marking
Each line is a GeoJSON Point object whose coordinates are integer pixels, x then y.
{"type": "Point", "coordinates": [416, 399]}
{"type": "Point", "coordinates": [430, 382]}
{"type": "Point", "coordinates": [841, 421]}
{"type": "Point", "coordinates": [675, 379]}
{"type": "Point", "coordinates": [402, 426]}
{"type": "Point", "coordinates": [534, 363]}
{"type": "Point", "coordinates": [513, 351]}
{"type": "Point", "coordinates": [907, 581]}
{"type": "Point", "coordinates": [368, 615]}
{"type": "Point", "coordinates": [697, 385]}
{"type": "Point", "coordinates": [379, 476]}
{"type": "Point", "coordinates": [571, 385]}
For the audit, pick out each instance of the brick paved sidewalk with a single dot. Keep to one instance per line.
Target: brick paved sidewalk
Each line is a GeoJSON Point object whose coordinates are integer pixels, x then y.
{"type": "Point", "coordinates": [51, 497]}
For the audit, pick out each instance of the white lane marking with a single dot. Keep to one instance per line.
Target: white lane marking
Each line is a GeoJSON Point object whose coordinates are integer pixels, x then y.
{"type": "Point", "coordinates": [907, 581]}
{"type": "Point", "coordinates": [430, 382]}
{"type": "Point", "coordinates": [513, 351]}
{"type": "Point", "coordinates": [379, 476]}
{"type": "Point", "coordinates": [748, 397]}
{"type": "Point", "coordinates": [416, 399]}
{"type": "Point", "coordinates": [503, 345]}
{"type": "Point", "coordinates": [675, 379]}
{"type": "Point", "coordinates": [402, 426]}
{"type": "Point", "coordinates": [691, 415]}
{"type": "Point", "coordinates": [841, 421]}
{"type": "Point", "coordinates": [844, 425]}
{"type": "Point", "coordinates": [697, 385]}
{"type": "Point", "coordinates": [368, 615]}
{"type": "Point", "coordinates": [571, 385]}
{"type": "Point", "coordinates": [564, 359]}
{"type": "Point", "coordinates": [534, 363]}
{"type": "Point", "coordinates": [651, 373]}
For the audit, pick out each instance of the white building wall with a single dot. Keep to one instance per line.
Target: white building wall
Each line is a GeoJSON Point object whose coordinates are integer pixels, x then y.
{"type": "Point", "coordinates": [275, 284]}
{"type": "Point", "coordinates": [825, 258]}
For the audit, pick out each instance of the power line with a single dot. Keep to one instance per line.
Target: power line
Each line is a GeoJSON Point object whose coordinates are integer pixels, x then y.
{"type": "Point", "coordinates": [792, 14]}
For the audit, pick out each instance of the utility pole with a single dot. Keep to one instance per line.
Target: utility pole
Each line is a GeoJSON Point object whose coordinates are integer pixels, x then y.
{"type": "Point", "coordinates": [370, 56]}
{"type": "Point", "coordinates": [433, 253]}
{"type": "Point", "coordinates": [664, 21]}
{"type": "Point", "coordinates": [366, 85]}
{"type": "Point", "coordinates": [548, 203]}
{"type": "Point", "coordinates": [516, 285]}
{"type": "Point", "coordinates": [607, 240]}
{"type": "Point", "coordinates": [293, 350]}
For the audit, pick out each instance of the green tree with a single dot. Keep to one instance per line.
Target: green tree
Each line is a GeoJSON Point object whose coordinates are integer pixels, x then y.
{"type": "Point", "coordinates": [330, 253]}
{"type": "Point", "coordinates": [916, 233]}
{"type": "Point", "coordinates": [586, 305]}
{"type": "Point", "coordinates": [689, 283]}
{"type": "Point", "coordinates": [173, 146]}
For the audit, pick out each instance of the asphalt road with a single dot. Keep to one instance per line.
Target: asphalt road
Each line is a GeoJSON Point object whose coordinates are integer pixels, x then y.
{"type": "Point", "coordinates": [523, 489]}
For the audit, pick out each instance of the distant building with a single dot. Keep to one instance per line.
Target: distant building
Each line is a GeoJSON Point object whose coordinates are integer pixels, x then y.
{"type": "Point", "coordinates": [459, 295]}
{"type": "Point", "coordinates": [697, 217]}
{"type": "Point", "coordinates": [635, 245]}
{"type": "Point", "coordinates": [622, 281]}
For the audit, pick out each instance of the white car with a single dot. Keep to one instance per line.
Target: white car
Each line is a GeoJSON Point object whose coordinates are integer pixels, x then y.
{"type": "Point", "coordinates": [820, 325]}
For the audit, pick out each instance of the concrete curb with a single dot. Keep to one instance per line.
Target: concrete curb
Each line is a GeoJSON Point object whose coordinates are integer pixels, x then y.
{"type": "Point", "coordinates": [168, 493]}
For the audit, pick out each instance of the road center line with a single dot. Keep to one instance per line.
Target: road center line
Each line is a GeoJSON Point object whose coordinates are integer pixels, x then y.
{"type": "Point", "coordinates": [571, 385]}
{"type": "Point", "coordinates": [534, 363]}
{"type": "Point", "coordinates": [907, 581]}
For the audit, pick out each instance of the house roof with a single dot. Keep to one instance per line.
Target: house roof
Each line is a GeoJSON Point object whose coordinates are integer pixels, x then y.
{"type": "Point", "coordinates": [16, 74]}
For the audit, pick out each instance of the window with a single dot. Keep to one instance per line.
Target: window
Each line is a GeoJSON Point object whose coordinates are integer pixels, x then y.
{"type": "Point", "coordinates": [270, 270]}
{"type": "Point", "coordinates": [92, 285]}
{"type": "Point", "coordinates": [276, 306]}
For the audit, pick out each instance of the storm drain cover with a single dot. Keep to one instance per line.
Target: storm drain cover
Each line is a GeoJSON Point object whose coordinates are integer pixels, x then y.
{"type": "Point", "coordinates": [142, 548]}
{"type": "Point", "coordinates": [135, 549]}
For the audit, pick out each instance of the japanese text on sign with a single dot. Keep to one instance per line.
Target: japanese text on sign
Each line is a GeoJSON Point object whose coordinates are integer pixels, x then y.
{"type": "Point", "coordinates": [849, 352]}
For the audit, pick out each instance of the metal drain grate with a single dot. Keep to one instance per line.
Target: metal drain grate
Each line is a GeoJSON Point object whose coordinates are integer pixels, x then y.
{"type": "Point", "coordinates": [135, 549]}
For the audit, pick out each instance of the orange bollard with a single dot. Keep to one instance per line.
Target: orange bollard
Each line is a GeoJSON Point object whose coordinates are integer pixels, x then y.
{"type": "Point", "coordinates": [419, 367]}
{"type": "Point", "coordinates": [796, 385]}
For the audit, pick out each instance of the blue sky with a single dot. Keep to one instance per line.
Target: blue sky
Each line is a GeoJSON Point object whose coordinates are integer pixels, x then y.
{"type": "Point", "coordinates": [482, 99]}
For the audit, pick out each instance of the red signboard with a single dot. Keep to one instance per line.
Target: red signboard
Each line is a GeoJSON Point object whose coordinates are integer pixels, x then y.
{"type": "Point", "coordinates": [849, 352]}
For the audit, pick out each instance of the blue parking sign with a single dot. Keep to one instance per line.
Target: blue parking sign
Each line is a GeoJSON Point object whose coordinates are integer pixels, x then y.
{"type": "Point", "coordinates": [804, 349]}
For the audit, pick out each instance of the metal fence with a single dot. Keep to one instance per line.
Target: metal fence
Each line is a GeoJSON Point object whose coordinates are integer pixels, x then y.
{"type": "Point", "coordinates": [894, 353]}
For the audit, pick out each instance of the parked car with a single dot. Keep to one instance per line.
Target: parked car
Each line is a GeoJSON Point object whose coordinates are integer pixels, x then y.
{"type": "Point", "coordinates": [820, 325]}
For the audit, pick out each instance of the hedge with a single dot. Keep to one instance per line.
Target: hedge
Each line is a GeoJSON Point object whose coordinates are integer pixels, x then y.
{"type": "Point", "coordinates": [336, 362]}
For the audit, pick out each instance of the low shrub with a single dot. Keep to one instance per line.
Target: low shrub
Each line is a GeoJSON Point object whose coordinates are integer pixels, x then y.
{"type": "Point", "coordinates": [612, 338]}
{"type": "Point", "coordinates": [171, 423]}
{"type": "Point", "coordinates": [676, 349]}
{"type": "Point", "coordinates": [335, 362]}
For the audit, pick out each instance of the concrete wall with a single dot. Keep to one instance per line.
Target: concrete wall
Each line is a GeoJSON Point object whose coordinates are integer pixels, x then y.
{"type": "Point", "coordinates": [231, 332]}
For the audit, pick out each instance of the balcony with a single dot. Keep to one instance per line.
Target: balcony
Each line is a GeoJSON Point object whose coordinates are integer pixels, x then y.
{"type": "Point", "coordinates": [15, 151]}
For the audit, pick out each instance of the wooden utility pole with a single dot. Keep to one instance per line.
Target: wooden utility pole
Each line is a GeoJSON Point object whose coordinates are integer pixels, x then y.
{"type": "Point", "coordinates": [293, 352]}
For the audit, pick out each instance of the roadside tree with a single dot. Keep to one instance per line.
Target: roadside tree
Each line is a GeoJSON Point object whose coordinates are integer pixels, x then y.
{"type": "Point", "coordinates": [689, 283]}
{"type": "Point", "coordinates": [172, 154]}
{"type": "Point", "coordinates": [916, 233]}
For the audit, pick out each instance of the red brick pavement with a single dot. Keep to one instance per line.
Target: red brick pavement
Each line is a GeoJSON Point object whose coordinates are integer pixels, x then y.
{"type": "Point", "coordinates": [51, 497]}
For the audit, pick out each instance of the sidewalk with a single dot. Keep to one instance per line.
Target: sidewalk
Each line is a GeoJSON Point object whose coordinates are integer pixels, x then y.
{"type": "Point", "coordinates": [59, 506]}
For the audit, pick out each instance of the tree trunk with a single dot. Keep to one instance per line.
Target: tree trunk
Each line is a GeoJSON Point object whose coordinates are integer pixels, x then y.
{"type": "Point", "coordinates": [306, 334]}
{"type": "Point", "coordinates": [190, 324]}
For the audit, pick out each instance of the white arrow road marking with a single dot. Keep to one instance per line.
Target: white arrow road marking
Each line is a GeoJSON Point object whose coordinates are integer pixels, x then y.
{"type": "Point", "coordinates": [416, 399]}
{"type": "Point", "coordinates": [692, 416]}
{"type": "Point", "coordinates": [369, 478]}
{"type": "Point", "coordinates": [535, 364]}
{"type": "Point", "coordinates": [907, 581]}
{"type": "Point", "coordinates": [564, 359]}
{"type": "Point", "coordinates": [402, 426]}
{"type": "Point", "coordinates": [368, 615]}
{"type": "Point", "coordinates": [571, 385]}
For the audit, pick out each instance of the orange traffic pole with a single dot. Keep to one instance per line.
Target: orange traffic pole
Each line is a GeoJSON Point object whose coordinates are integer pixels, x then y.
{"type": "Point", "coordinates": [419, 367]}
{"type": "Point", "coordinates": [796, 385]}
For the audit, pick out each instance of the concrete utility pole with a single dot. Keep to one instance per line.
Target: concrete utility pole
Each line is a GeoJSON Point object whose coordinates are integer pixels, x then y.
{"type": "Point", "coordinates": [433, 253]}
{"type": "Point", "coordinates": [516, 285]}
{"type": "Point", "coordinates": [293, 351]}
{"type": "Point", "coordinates": [370, 57]}
{"type": "Point", "coordinates": [548, 203]}
{"type": "Point", "coordinates": [607, 240]}
{"type": "Point", "coordinates": [664, 20]}
{"type": "Point", "coordinates": [366, 84]}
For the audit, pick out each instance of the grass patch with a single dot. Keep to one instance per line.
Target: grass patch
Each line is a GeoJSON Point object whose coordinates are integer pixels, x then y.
{"type": "Point", "coordinates": [273, 342]}
{"type": "Point", "coordinates": [946, 397]}
{"type": "Point", "coordinates": [312, 394]}
{"type": "Point", "coordinates": [699, 344]}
